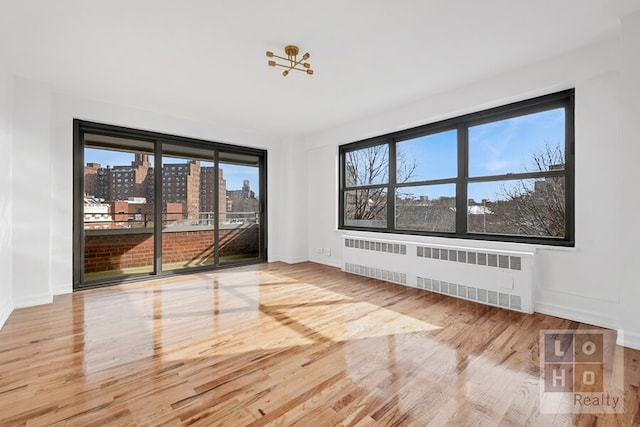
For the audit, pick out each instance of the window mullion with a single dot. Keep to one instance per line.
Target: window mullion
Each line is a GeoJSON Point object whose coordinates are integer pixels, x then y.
{"type": "Point", "coordinates": [391, 187]}
{"type": "Point", "coordinates": [461, 181]}
{"type": "Point", "coordinates": [157, 207]}
{"type": "Point", "coordinates": [341, 187]}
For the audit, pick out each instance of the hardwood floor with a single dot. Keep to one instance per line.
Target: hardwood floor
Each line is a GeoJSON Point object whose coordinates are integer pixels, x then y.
{"type": "Point", "coordinates": [278, 344]}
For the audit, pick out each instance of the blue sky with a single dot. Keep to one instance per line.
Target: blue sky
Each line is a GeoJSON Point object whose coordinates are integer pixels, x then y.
{"type": "Point", "coordinates": [435, 155]}
{"type": "Point", "coordinates": [508, 146]}
{"type": "Point", "coordinates": [495, 148]}
{"type": "Point", "coordinates": [234, 174]}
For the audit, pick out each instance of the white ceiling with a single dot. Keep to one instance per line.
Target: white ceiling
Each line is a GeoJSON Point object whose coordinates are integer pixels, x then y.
{"type": "Point", "coordinates": [205, 59]}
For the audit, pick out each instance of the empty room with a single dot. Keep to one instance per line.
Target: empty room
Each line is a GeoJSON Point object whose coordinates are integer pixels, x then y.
{"type": "Point", "coordinates": [363, 213]}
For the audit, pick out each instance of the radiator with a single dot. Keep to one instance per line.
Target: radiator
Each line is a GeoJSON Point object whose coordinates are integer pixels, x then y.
{"type": "Point", "coordinates": [493, 277]}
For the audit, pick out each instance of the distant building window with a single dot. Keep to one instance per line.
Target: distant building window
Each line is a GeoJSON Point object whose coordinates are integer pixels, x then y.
{"type": "Point", "coordinates": [502, 174]}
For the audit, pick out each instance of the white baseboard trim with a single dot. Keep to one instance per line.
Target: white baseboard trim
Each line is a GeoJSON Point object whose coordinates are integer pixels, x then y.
{"type": "Point", "coordinates": [62, 289]}
{"type": "Point", "coordinates": [33, 300]}
{"type": "Point", "coordinates": [295, 260]}
{"type": "Point", "coordinates": [583, 316]}
{"type": "Point", "coordinates": [628, 339]}
{"type": "Point", "coordinates": [5, 311]}
{"type": "Point", "coordinates": [327, 261]}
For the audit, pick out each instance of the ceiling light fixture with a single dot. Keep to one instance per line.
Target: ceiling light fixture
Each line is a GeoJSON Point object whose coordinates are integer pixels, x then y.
{"type": "Point", "coordinates": [292, 58]}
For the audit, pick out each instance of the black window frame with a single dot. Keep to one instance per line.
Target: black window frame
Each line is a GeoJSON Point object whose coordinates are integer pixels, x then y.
{"type": "Point", "coordinates": [563, 99]}
{"type": "Point", "coordinates": [159, 140]}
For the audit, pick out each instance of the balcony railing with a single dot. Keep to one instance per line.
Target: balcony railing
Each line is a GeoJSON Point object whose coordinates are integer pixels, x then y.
{"type": "Point", "coordinates": [172, 219]}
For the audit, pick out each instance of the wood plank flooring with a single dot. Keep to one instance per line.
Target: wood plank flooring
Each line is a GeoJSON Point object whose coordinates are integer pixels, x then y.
{"type": "Point", "coordinates": [280, 345]}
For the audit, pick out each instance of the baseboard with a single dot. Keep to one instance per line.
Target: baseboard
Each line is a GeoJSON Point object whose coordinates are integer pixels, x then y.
{"type": "Point", "coordinates": [5, 311]}
{"type": "Point", "coordinates": [327, 261]}
{"type": "Point", "coordinates": [295, 260]}
{"type": "Point", "coordinates": [582, 316]}
{"type": "Point", "coordinates": [63, 288]}
{"type": "Point", "coordinates": [629, 339]}
{"type": "Point", "coordinates": [33, 300]}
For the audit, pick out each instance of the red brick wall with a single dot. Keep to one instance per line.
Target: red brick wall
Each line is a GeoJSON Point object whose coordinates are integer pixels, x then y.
{"type": "Point", "coordinates": [186, 246]}
{"type": "Point", "coordinates": [106, 251]}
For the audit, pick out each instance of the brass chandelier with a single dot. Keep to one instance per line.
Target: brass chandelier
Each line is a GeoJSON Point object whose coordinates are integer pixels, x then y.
{"type": "Point", "coordinates": [292, 60]}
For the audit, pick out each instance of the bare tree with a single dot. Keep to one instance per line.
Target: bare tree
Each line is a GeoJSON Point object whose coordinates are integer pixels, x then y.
{"type": "Point", "coordinates": [534, 207]}
{"type": "Point", "coordinates": [370, 167]}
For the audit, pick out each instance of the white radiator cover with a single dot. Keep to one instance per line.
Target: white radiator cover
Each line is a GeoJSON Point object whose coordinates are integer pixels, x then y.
{"type": "Point", "coordinates": [488, 276]}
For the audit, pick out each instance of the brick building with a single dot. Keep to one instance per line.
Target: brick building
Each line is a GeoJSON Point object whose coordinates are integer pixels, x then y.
{"type": "Point", "coordinates": [187, 184]}
{"type": "Point", "coordinates": [243, 200]}
{"type": "Point", "coordinates": [207, 195]}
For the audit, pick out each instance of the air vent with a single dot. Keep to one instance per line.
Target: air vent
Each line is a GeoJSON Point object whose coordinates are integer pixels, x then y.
{"type": "Point", "coordinates": [482, 258]}
{"type": "Point", "coordinates": [515, 302]}
{"type": "Point", "coordinates": [376, 246]}
{"type": "Point", "coordinates": [492, 260]}
{"type": "Point", "coordinates": [503, 300]}
{"type": "Point", "coordinates": [498, 299]}
{"type": "Point", "coordinates": [471, 257]}
{"type": "Point", "coordinates": [503, 261]}
{"type": "Point", "coordinates": [376, 273]}
{"type": "Point", "coordinates": [462, 291]}
{"type": "Point", "coordinates": [472, 293]}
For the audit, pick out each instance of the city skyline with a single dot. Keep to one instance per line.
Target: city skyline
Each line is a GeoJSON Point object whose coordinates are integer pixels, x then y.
{"type": "Point", "coordinates": [235, 175]}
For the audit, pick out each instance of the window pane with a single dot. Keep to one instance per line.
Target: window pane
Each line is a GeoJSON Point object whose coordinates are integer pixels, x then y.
{"type": "Point", "coordinates": [367, 166]}
{"type": "Point", "coordinates": [428, 157]}
{"type": "Point", "coordinates": [366, 208]}
{"type": "Point", "coordinates": [530, 143]}
{"type": "Point", "coordinates": [188, 217]}
{"type": "Point", "coordinates": [118, 208]}
{"type": "Point", "coordinates": [528, 207]}
{"type": "Point", "coordinates": [240, 217]}
{"type": "Point", "coordinates": [426, 208]}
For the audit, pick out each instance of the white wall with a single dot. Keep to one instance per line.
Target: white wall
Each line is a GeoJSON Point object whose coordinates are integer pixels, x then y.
{"type": "Point", "coordinates": [323, 246]}
{"type": "Point", "coordinates": [6, 202]}
{"type": "Point", "coordinates": [630, 158]}
{"type": "Point", "coordinates": [31, 193]}
{"type": "Point", "coordinates": [291, 198]}
{"type": "Point", "coordinates": [585, 283]}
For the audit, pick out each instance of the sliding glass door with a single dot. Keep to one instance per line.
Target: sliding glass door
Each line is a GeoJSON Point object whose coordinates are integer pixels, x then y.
{"type": "Point", "coordinates": [188, 208]}
{"type": "Point", "coordinates": [118, 207]}
{"type": "Point", "coordinates": [240, 219]}
{"type": "Point", "coordinates": [151, 204]}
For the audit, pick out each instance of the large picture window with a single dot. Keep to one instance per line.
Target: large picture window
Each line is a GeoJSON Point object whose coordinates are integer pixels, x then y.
{"type": "Point", "coordinates": [502, 174]}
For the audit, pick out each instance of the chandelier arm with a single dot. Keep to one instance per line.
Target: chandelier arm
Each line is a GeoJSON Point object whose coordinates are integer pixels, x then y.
{"type": "Point", "coordinates": [289, 68]}
{"type": "Point", "coordinates": [297, 62]}
{"type": "Point", "coordinates": [284, 66]}
{"type": "Point", "coordinates": [280, 57]}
